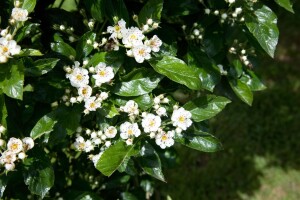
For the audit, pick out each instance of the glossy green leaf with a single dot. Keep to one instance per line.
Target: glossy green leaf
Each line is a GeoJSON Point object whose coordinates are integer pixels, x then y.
{"type": "Point", "coordinates": [116, 8]}
{"type": "Point", "coordinates": [128, 196]}
{"type": "Point", "coordinates": [112, 59]}
{"type": "Point", "coordinates": [286, 4]}
{"type": "Point", "coordinates": [12, 79]}
{"type": "Point", "coordinates": [143, 82]}
{"type": "Point", "coordinates": [144, 101]}
{"type": "Point", "coordinates": [242, 90]}
{"type": "Point", "coordinates": [252, 81]}
{"type": "Point", "coordinates": [263, 26]}
{"type": "Point", "coordinates": [3, 183]}
{"type": "Point", "coordinates": [208, 71]}
{"type": "Point", "coordinates": [176, 70]}
{"type": "Point", "coordinates": [236, 68]}
{"type": "Point", "coordinates": [41, 67]}
{"type": "Point", "coordinates": [63, 49]}
{"type": "Point", "coordinates": [38, 175]}
{"type": "Point", "coordinates": [114, 156]}
{"type": "Point", "coordinates": [29, 52]}
{"type": "Point", "coordinates": [206, 107]}
{"type": "Point", "coordinates": [85, 45]}
{"type": "Point", "coordinates": [43, 126]}
{"type": "Point", "coordinates": [150, 162]}
{"type": "Point", "coordinates": [3, 111]}
{"type": "Point", "coordinates": [29, 5]}
{"type": "Point", "coordinates": [23, 32]}
{"type": "Point", "coordinates": [95, 7]}
{"type": "Point", "coordinates": [200, 141]}
{"type": "Point", "coordinates": [109, 110]}
{"type": "Point", "coordinates": [151, 10]}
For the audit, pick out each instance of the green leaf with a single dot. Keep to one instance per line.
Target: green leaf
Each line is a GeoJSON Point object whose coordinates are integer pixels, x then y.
{"type": "Point", "coordinates": [23, 32]}
{"type": "Point", "coordinates": [151, 10]}
{"type": "Point", "coordinates": [83, 48]}
{"type": "Point", "coordinates": [208, 71]}
{"type": "Point", "coordinates": [263, 26]}
{"type": "Point", "coordinates": [3, 183]}
{"type": "Point", "coordinates": [87, 196]}
{"type": "Point", "coordinates": [144, 101]}
{"type": "Point", "coordinates": [43, 126]}
{"type": "Point", "coordinates": [286, 4]}
{"type": "Point", "coordinates": [206, 107]}
{"type": "Point", "coordinates": [128, 196]}
{"type": "Point", "coordinates": [64, 49]}
{"type": "Point", "coordinates": [3, 111]}
{"type": "Point", "coordinates": [176, 70]}
{"type": "Point", "coordinates": [242, 90]}
{"type": "Point", "coordinates": [38, 175]}
{"type": "Point", "coordinates": [95, 7]}
{"type": "Point", "coordinates": [12, 79]}
{"type": "Point", "coordinates": [236, 69]}
{"type": "Point", "coordinates": [143, 82]}
{"type": "Point", "coordinates": [200, 141]}
{"type": "Point", "coordinates": [150, 162]}
{"type": "Point", "coordinates": [29, 5]}
{"type": "Point", "coordinates": [252, 81]}
{"type": "Point", "coordinates": [112, 59]}
{"type": "Point", "coordinates": [41, 67]}
{"type": "Point", "coordinates": [109, 110]}
{"type": "Point", "coordinates": [116, 8]}
{"type": "Point", "coordinates": [114, 156]}
{"type": "Point", "coordinates": [29, 52]}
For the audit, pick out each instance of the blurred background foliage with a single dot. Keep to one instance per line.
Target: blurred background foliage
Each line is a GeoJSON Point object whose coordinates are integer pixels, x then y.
{"type": "Point", "coordinates": [260, 160]}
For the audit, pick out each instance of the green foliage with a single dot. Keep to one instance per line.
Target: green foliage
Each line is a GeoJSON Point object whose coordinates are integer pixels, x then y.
{"type": "Point", "coordinates": [107, 89]}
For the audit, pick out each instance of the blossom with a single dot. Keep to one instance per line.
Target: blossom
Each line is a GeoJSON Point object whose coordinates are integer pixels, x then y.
{"type": "Point", "coordinates": [103, 74]}
{"type": "Point", "coordinates": [131, 107]}
{"type": "Point", "coordinates": [78, 76]}
{"type": "Point", "coordinates": [181, 118]}
{"type": "Point", "coordinates": [132, 37]}
{"type": "Point", "coordinates": [7, 49]}
{"type": "Point", "coordinates": [9, 166]}
{"type": "Point", "coordinates": [129, 130]}
{"type": "Point", "coordinates": [161, 111]}
{"type": "Point", "coordinates": [19, 14]}
{"type": "Point", "coordinates": [164, 139]}
{"type": "Point", "coordinates": [88, 146]}
{"type": "Point", "coordinates": [96, 158]}
{"type": "Point", "coordinates": [110, 132]}
{"type": "Point", "coordinates": [141, 53]}
{"type": "Point", "coordinates": [79, 143]}
{"type": "Point", "coordinates": [91, 104]}
{"type": "Point", "coordinates": [151, 122]}
{"type": "Point", "coordinates": [154, 43]}
{"type": "Point", "coordinates": [8, 157]}
{"type": "Point", "coordinates": [85, 91]}
{"type": "Point", "coordinates": [15, 145]}
{"type": "Point", "coordinates": [28, 143]}
{"type": "Point", "coordinates": [116, 31]}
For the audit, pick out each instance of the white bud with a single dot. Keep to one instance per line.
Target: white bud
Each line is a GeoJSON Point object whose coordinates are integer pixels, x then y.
{"type": "Point", "coordinates": [178, 130]}
{"type": "Point", "coordinates": [88, 131]}
{"type": "Point", "coordinates": [2, 129]}
{"type": "Point", "coordinates": [8, 37]}
{"type": "Point", "coordinates": [216, 12]}
{"type": "Point", "coordinates": [145, 27]}
{"type": "Point", "coordinates": [79, 98]}
{"type": "Point", "coordinates": [175, 107]}
{"type": "Point", "coordinates": [129, 53]}
{"type": "Point", "coordinates": [93, 134]}
{"type": "Point", "coordinates": [73, 100]}
{"type": "Point", "coordinates": [71, 39]}
{"type": "Point", "coordinates": [89, 41]}
{"type": "Point", "coordinates": [2, 142]}
{"type": "Point", "coordinates": [144, 114]}
{"type": "Point", "coordinates": [22, 155]}
{"type": "Point", "coordinates": [79, 129]}
{"type": "Point", "coordinates": [95, 45]}
{"type": "Point", "coordinates": [165, 100]}
{"type": "Point", "coordinates": [9, 166]}
{"type": "Point", "coordinates": [152, 135]}
{"type": "Point", "coordinates": [17, 4]}
{"type": "Point", "coordinates": [67, 103]}
{"type": "Point", "coordinates": [103, 95]}
{"type": "Point", "coordinates": [183, 27]}
{"type": "Point", "coordinates": [224, 16]}
{"type": "Point", "coordinates": [91, 24]}
{"type": "Point", "coordinates": [156, 106]}
{"type": "Point", "coordinates": [150, 21]}
{"type": "Point", "coordinates": [196, 32]}
{"type": "Point", "coordinates": [246, 62]}
{"type": "Point", "coordinates": [92, 69]}
{"type": "Point", "coordinates": [155, 25]}
{"type": "Point", "coordinates": [107, 143]}
{"type": "Point", "coordinates": [156, 100]}
{"type": "Point", "coordinates": [54, 104]}
{"type": "Point", "coordinates": [85, 62]}
{"type": "Point", "coordinates": [3, 59]}
{"type": "Point", "coordinates": [103, 137]}
{"type": "Point", "coordinates": [234, 15]}
{"type": "Point", "coordinates": [4, 32]}
{"type": "Point", "coordinates": [65, 98]}
{"type": "Point", "coordinates": [243, 51]}
{"type": "Point", "coordinates": [62, 27]}
{"type": "Point", "coordinates": [129, 141]}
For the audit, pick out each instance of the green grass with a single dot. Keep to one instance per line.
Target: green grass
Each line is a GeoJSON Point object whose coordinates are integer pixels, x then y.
{"type": "Point", "coordinates": [261, 158]}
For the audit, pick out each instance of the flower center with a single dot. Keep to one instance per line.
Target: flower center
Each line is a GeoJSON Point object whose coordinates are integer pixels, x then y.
{"type": "Point", "coordinates": [133, 37]}
{"type": "Point", "coordinates": [92, 105]}
{"type": "Point", "coordinates": [117, 28]}
{"type": "Point", "coordinates": [84, 91]}
{"type": "Point", "coordinates": [152, 123]}
{"type": "Point", "coordinates": [102, 73]}
{"type": "Point", "coordinates": [181, 119]}
{"type": "Point", "coordinates": [79, 77]}
{"type": "Point", "coordinates": [14, 146]}
{"type": "Point", "coordinates": [130, 132]}
{"type": "Point", "coordinates": [164, 138]}
{"type": "Point", "coordinates": [142, 52]}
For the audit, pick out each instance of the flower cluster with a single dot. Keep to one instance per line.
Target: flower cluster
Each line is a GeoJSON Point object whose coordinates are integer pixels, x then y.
{"type": "Point", "coordinates": [15, 150]}
{"type": "Point", "coordinates": [79, 78]}
{"type": "Point", "coordinates": [8, 46]}
{"type": "Point", "coordinates": [134, 40]}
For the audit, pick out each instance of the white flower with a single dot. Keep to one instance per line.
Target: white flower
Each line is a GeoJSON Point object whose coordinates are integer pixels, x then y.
{"type": "Point", "coordinates": [181, 118]}
{"type": "Point", "coordinates": [28, 143]}
{"type": "Point", "coordinates": [129, 130]}
{"type": "Point", "coordinates": [79, 143]}
{"type": "Point", "coordinates": [2, 129]}
{"type": "Point", "coordinates": [8, 157]}
{"type": "Point", "coordinates": [164, 139]}
{"type": "Point", "coordinates": [116, 31]}
{"type": "Point", "coordinates": [19, 14]}
{"type": "Point", "coordinates": [103, 74]}
{"type": "Point", "coordinates": [9, 166]}
{"type": "Point", "coordinates": [97, 141]}
{"type": "Point", "coordinates": [129, 141]}
{"type": "Point", "coordinates": [131, 107]}
{"type": "Point", "coordinates": [8, 48]}
{"type": "Point", "coordinates": [85, 91]}
{"type": "Point", "coordinates": [107, 143]}
{"type": "Point", "coordinates": [110, 132]}
{"type": "Point", "coordinates": [151, 123]}
{"type": "Point", "coordinates": [15, 145]}
{"type": "Point", "coordinates": [141, 53]}
{"type": "Point", "coordinates": [161, 111]}
{"type": "Point", "coordinates": [91, 104]}
{"type": "Point", "coordinates": [79, 76]}
{"type": "Point", "coordinates": [154, 43]}
{"type": "Point", "coordinates": [88, 146]}
{"type": "Point", "coordinates": [2, 142]}
{"type": "Point", "coordinates": [96, 158]}
{"type": "Point", "coordinates": [132, 37]}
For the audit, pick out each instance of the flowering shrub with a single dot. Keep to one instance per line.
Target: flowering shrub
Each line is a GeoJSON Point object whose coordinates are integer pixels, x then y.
{"type": "Point", "coordinates": [107, 88]}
